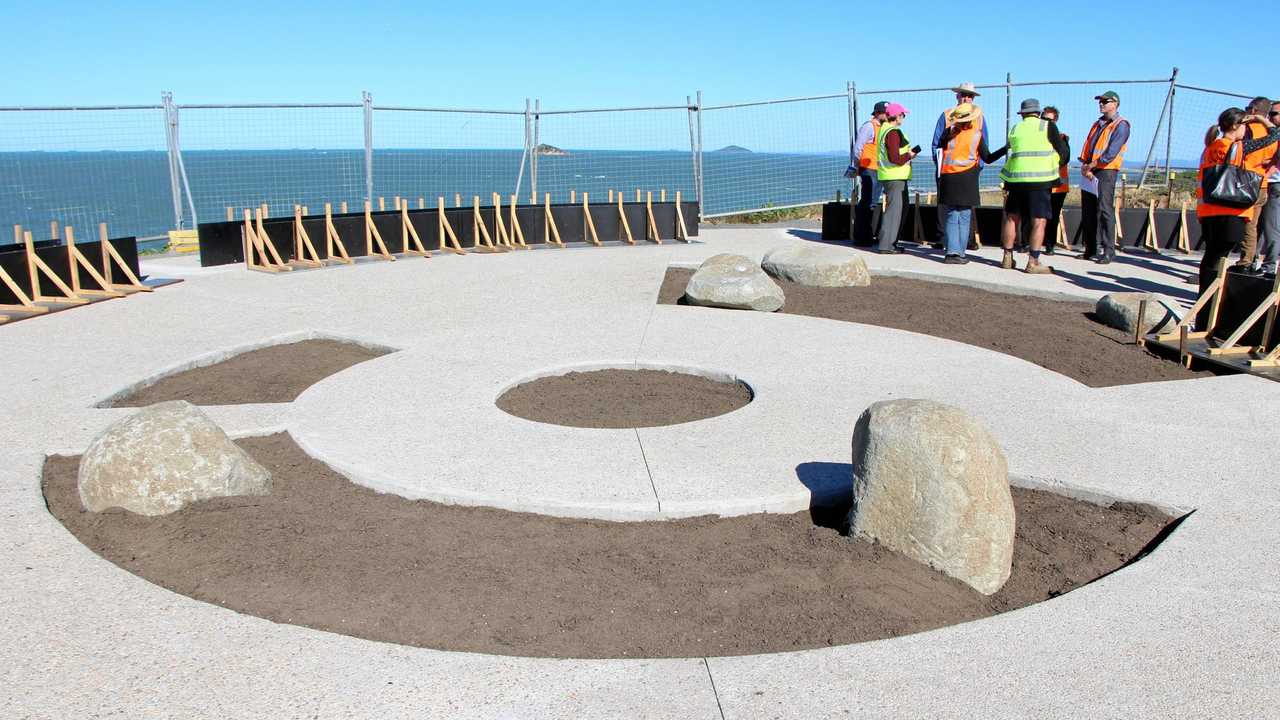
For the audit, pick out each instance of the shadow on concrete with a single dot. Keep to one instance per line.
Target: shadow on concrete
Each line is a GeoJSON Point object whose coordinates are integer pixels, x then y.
{"type": "Point", "coordinates": [831, 492]}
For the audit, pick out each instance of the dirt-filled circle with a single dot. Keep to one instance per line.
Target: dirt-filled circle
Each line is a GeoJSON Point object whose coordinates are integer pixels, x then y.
{"type": "Point", "coordinates": [624, 398]}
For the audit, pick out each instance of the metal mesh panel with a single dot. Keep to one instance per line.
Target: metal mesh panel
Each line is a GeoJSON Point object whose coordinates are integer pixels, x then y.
{"type": "Point", "coordinates": [923, 109]}
{"type": "Point", "coordinates": [84, 167]}
{"type": "Point", "coordinates": [622, 150]}
{"type": "Point", "coordinates": [242, 157]}
{"type": "Point", "coordinates": [1194, 111]}
{"type": "Point", "coordinates": [779, 154]}
{"type": "Point", "coordinates": [429, 154]}
{"type": "Point", "coordinates": [1140, 104]}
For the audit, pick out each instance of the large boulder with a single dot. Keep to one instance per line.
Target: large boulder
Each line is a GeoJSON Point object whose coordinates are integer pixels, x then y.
{"type": "Point", "coordinates": [817, 266]}
{"type": "Point", "coordinates": [159, 459]}
{"type": "Point", "coordinates": [733, 281]}
{"type": "Point", "coordinates": [930, 482]}
{"type": "Point", "coordinates": [1120, 310]}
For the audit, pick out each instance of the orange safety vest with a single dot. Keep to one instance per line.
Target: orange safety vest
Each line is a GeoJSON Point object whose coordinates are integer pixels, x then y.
{"type": "Point", "coordinates": [1063, 185]}
{"type": "Point", "coordinates": [1258, 161]}
{"type": "Point", "coordinates": [1216, 154]}
{"type": "Point", "coordinates": [961, 152]}
{"type": "Point", "coordinates": [1098, 140]}
{"type": "Point", "coordinates": [868, 157]}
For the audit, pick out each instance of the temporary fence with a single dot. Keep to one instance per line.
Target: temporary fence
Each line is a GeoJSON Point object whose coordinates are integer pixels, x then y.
{"type": "Point", "coordinates": [146, 169]}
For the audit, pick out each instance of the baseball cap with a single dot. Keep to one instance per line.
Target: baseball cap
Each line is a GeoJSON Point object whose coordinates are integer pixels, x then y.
{"type": "Point", "coordinates": [1108, 95]}
{"type": "Point", "coordinates": [894, 109]}
{"type": "Point", "coordinates": [880, 107]}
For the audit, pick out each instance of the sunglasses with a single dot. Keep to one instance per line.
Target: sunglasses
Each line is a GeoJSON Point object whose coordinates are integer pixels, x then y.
{"type": "Point", "coordinates": [1105, 102]}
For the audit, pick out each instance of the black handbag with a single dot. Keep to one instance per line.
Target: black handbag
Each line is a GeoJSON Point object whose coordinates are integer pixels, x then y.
{"type": "Point", "coordinates": [1230, 184]}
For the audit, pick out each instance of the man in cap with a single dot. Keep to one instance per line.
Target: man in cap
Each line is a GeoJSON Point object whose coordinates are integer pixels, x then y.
{"type": "Point", "coordinates": [1101, 158]}
{"type": "Point", "coordinates": [1030, 171]}
{"type": "Point", "coordinates": [862, 166]}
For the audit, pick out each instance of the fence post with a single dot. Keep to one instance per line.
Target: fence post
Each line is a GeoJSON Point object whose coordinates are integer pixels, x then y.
{"type": "Point", "coordinates": [1168, 142]}
{"type": "Point", "coordinates": [702, 200]}
{"type": "Point", "coordinates": [525, 155]}
{"type": "Point", "coordinates": [693, 142]}
{"type": "Point", "coordinates": [1008, 101]}
{"type": "Point", "coordinates": [170, 142]}
{"type": "Point", "coordinates": [537, 143]}
{"type": "Point", "coordinates": [1155, 138]}
{"type": "Point", "coordinates": [367, 101]}
{"type": "Point", "coordinates": [853, 115]}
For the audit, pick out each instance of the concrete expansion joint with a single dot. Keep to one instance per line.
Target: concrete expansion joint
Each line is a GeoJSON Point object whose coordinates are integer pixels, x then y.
{"type": "Point", "coordinates": [707, 664]}
{"type": "Point", "coordinates": [647, 470]}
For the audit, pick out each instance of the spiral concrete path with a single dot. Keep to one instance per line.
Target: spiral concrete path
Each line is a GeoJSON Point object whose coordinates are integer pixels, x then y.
{"type": "Point", "coordinates": [1190, 631]}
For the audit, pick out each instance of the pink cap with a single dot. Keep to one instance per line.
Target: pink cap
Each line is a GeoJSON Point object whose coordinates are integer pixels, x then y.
{"type": "Point", "coordinates": [895, 109]}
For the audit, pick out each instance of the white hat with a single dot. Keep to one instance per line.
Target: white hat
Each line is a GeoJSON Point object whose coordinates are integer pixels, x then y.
{"type": "Point", "coordinates": [967, 88]}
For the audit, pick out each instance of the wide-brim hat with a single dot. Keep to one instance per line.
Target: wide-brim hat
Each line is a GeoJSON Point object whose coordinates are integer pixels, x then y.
{"type": "Point", "coordinates": [964, 112]}
{"type": "Point", "coordinates": [1028, 106]}
{"type": "Point", "coordinates": [967, 88]}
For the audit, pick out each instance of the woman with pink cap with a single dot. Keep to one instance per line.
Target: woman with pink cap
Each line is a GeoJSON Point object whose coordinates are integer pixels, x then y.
{"type": "Point", "coordinates": [894, 171]}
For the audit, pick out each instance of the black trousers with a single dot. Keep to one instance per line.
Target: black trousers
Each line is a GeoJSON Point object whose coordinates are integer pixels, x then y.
{"type": "Point", "coordinates": [1056, 201]}
{"type": "Point", "coordinates": [1220, 234]}
{"type": "Point", "coordinates": [866, 214]}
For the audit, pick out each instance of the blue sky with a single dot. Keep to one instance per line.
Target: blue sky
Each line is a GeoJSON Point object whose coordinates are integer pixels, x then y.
{"type": "Point", "coordinates": [573, 55]}
{"type": "Point", "coordinates": [497, 53]}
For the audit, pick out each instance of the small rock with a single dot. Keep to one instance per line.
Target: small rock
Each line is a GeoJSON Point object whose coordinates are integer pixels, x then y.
{"type": "Point", "coordinates": [817, 266]}
{"type": "Point", "coordinates": [930, 482]}
{"type": "Point", "coordinates": [162, 457]}
{"type": "Point", "coordinates": [733, 281]}
{"type": "Point", "coordinates": [1120, 311]}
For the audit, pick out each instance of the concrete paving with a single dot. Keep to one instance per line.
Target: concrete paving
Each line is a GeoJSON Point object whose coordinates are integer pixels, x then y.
{"type": "Point", "coordinates": [1189, 631]}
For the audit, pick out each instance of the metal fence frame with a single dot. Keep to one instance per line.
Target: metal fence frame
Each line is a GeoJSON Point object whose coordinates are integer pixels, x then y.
{"type": "Point", "coordinates": [532, 114]}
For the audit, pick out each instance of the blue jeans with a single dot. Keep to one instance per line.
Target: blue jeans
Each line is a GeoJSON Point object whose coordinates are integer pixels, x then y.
{"type": "Point", "coordinates": [955, 222]}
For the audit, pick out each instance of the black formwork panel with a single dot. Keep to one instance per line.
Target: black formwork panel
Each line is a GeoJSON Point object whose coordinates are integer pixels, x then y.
{"type": "Point", "coordinates": [222, 243]}
{"type": "Point", "coordinates": [1243, 294]}
{"type": "Point", "coordinates": [54, 254]}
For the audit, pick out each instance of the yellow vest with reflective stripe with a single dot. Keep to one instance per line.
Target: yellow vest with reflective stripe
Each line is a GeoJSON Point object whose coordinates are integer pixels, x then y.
{"type": "Point", "coordinates": [1032, 158]}
{"type": "Point", "coordinates": [885, 170]}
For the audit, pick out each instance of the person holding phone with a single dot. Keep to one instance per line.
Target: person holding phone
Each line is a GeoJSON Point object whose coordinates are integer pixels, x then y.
{"type": "Point", "coordinates": [1031, 170]}
{"type": "Point", "coordinates": [893, 169]}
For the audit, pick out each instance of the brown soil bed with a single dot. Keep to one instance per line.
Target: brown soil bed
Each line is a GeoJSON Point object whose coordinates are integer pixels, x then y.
{"type": "Point", "coordinates": [324, 553]}
{"type": "Point", "coordinates": [1054, 334]}
{"type": "Point", "coordinates": [623, 398]}
{"type": "Point", "coordinates": [275, 374]}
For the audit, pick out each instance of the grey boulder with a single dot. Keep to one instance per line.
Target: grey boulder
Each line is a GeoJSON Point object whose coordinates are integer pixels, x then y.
{"type": "Point", "coordinates": [163, 457]}
{"type": "Point", "coordinates": [733, 281]}
{"type": "Point", "coordinates": [930, 482]}
{"type": "Point", "coordinates": [817, 266]}
{"type": "Point", "coordinates": [1120, 310]}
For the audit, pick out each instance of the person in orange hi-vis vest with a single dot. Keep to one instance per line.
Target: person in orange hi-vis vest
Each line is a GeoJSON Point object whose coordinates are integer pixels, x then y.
{"type": "Point", "coordinates": [1222, 226]}
{"type": "Point", "coordinates": [1059, 192]}
{"type": "Point", "coordinates": [862, 167]}
{"type": "Point", "coordinates": [1101, 158]}
{"type": "Point", "coordinates": [1256, 162]}
{"type": "Point", "coordinates": [963, 150]}
{"type": "Point", "coordinates": [1269, 235]}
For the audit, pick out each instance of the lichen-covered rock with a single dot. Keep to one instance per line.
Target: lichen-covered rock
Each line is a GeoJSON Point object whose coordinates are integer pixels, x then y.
{"type": "Point", "coordinates": [817, 266]}
{"type": "Point", "coordinates": [733, 281]}
{"type": "Point", "coordinates": [930, 482]}
{"type": "Point", "coordinates": [164, 456]}
{"type": "Point", "coordinates": [1120, 310]}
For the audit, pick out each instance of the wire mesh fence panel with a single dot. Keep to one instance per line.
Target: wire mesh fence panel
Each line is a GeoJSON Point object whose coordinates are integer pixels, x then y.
{"type": "Point", "coordinates": [1141, 103]}
{"type": "Point", "coordinates": [243, 157]}
{"type": "Point", "coordinates": [924, 107]}
{"type": "Point", "coordinates": [83, 167]}
{"type": "Point", "coordinates": [428, 154]}
{"type": "Point", "coordinates": [621, 150]}
{"type": "Point", "coordinates": [775, 155]}
{"type": "Point", "coordinates": [1194, 111]}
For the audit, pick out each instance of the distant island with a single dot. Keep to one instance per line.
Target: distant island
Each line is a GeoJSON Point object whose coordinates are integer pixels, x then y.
{"type": "Point", "coordinates": [545, 149]}
{"type": "Point", "coordinates": [732, 149]}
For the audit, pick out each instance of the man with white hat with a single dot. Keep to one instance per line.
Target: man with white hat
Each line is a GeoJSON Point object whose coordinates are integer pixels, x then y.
{"type": "Point", "coordinates": [966, 94]}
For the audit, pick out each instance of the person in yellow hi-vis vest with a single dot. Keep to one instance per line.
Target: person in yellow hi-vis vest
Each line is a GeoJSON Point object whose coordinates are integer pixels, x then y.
{"type": "Point", "coordinates": [893, 168]}
{"type": "Point", "coordinates": [1030, 172]}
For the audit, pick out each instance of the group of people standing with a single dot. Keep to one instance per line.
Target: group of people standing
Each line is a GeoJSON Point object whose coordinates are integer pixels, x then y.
{"type": "Point", "coordinates": [1034, 175]}
{"type": "Point", "coordinates": [1246, 138]}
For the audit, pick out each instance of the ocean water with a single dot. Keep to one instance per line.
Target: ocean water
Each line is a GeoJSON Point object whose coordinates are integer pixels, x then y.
{"type": "Point", "coordinates": [131, 190]}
